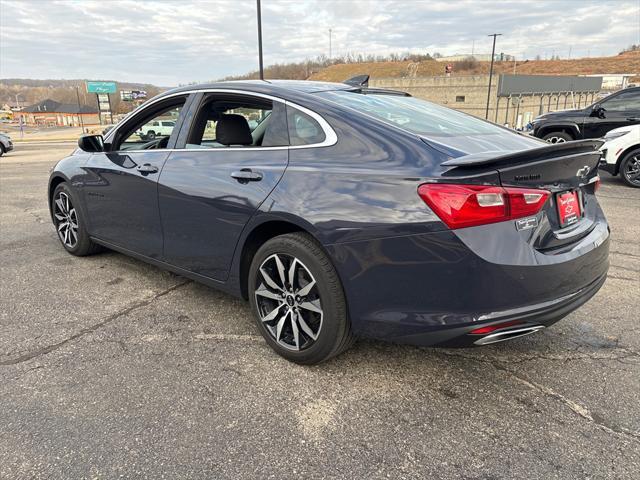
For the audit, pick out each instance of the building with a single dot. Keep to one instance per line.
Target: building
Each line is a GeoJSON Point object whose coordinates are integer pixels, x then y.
{"type": "Point", "coordinates": [614, 81]}
{"type": "Point", "coordinates": [55, 114]}
{"type": "Point", "coordinates": [480, 57]}
{"type": "Point", "coordinates": [468, 93]}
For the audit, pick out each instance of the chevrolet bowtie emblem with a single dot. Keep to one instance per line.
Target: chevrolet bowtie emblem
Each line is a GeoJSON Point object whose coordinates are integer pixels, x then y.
{"type": "Point", "coordinates": [583, 172]}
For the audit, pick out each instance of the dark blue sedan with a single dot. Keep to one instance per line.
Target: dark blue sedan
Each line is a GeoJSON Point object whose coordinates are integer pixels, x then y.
{"type": "Point", "coordinates": [341, 211]}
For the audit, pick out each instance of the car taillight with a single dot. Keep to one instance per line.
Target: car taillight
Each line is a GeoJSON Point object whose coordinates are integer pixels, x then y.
{"type": "Point", "coordinates": [460, 206]}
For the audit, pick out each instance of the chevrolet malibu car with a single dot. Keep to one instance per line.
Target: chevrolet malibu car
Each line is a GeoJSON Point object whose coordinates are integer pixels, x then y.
{"type": "Point", "coordinates": [621, 154]}
{"type": "Point", "coordinates": [344, 212]}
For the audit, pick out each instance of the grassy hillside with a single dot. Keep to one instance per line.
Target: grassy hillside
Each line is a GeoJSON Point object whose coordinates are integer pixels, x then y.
{"type": "Point", "coordinates": [628, 62]}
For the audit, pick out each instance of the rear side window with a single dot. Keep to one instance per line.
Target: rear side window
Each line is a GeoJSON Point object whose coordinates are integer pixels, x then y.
{"type": "Point", "coordinates": [303, 129]}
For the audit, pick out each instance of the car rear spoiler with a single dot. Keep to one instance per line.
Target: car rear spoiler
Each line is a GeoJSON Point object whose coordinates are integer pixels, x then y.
{"type": "Point", "coordinates": [497, 158]}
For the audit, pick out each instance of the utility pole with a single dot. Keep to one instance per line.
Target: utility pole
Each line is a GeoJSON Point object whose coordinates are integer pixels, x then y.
{"type": "Point", "coordinates": [260, 40]}
{"type": "Point", "coordinates": [493, 52]}
{"type": "Point", "coordinates": [80, 108]}
{"type": "Point", "coordinates": [329, 44]}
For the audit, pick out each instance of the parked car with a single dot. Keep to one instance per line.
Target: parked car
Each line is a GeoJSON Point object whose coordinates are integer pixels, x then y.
{"type": "Point", "coordinates": [6, 145]}
{"type": "Point", "coordinates": [621, 154]}
{"type": "Point", "coordinates": [616, 110]}
{"type": "Point", "coordinates": [156, 128]}
{"type": "Point", "coordinates": [336, 221]}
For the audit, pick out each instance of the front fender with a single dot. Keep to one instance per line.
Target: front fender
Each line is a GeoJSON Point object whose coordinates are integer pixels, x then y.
{"type": "Point", "coordinates": [565, 126]}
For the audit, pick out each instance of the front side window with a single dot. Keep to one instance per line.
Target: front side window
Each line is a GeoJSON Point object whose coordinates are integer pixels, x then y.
{"type": "Point", "coordinates": [626, 101]}
{"type": "Point", "coordinates": [412, 114]}
{"type": "Point", "coordinates": [151, 131]}
{"type": "Point", "coordinates": [225, 120]}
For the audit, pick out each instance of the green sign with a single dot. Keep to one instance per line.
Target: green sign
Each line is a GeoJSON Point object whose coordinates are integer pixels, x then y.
{"type": "Point", "coordinates": [101, 87]}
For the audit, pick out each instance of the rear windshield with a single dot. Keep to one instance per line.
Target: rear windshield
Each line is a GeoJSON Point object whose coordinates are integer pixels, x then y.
{"type": "Point", "coordinates": [413, 114]}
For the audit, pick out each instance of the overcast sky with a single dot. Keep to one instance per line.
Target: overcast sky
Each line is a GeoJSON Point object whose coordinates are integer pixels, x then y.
{"type": "Point", "coordinates": [168, 42]}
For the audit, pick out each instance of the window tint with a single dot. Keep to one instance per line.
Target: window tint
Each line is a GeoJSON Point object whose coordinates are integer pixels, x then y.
{"type": "Point", "coordinates": [151, 133]}
{"type": "Point", "coordinates": [303, 129]}
{"type": "Point", "coordinates": [241, 121]}
{"type": "Point", "coordinates": [623, 102]}
{"type": "Point", "coordinates": [414, 115]}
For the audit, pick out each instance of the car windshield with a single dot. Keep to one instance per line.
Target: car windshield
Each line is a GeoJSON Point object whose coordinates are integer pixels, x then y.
{"type": "Point", "coordinates": [413, 114]}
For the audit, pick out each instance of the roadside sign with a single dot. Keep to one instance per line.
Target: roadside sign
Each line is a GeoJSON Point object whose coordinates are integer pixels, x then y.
{"type": "Point", "coordinates": [104, 105]}
{"type": "Point", "coordinates": [101, 87]}
{"type": "Point", "coordinates": [131, 95]}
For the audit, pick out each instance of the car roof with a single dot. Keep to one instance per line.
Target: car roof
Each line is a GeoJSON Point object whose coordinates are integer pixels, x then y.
{"type": "Point", "coordinates": [266, 86]}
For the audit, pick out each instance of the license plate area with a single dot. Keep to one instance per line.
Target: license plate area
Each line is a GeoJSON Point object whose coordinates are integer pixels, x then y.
{"type": "Point", "coordinates": [569, 207]}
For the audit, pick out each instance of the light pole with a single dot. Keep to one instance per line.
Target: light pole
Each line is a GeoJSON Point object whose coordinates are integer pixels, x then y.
{"type": "Point", "coordinates": [80, 109]}
{"type": "Point", "coordinates": [493, 52]}
{"type": "Point", "coordinates": [17, 101]}
{"type": "Point", "coordinates": [260, 40]}
{"type": "Point", "coordinates": [329, 44]}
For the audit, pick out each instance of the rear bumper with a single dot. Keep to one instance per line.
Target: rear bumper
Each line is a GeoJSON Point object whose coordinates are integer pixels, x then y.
{"type": "Point", "coordinates": [433, 289]}
{"type": "Point", "coordinates": [532, 317]}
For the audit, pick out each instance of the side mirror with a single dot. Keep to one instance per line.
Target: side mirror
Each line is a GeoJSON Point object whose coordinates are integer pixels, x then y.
{"type": "Point", "coordinates": [598, 111]}
{"type": "Point", "coordinates": [91, 143]}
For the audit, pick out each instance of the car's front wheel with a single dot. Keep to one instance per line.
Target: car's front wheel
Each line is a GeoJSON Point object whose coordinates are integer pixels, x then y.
{"type": "Point", "coordinates": [630, 168]}
{"type": "Point", "coordinates": [298, 301]}
{"type": "Point", "coordinates": [557, 137]}
{"type": "Point", "coordinates": [1, 149]}
{"type": "Point", "coordinates": [69, 223]}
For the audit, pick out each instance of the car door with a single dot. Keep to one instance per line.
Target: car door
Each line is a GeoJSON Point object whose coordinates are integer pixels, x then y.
{"type": "Point", "coordinates": [121, 191]}
{"type": "Point", "coordinates": [210, 186]}
{"type": "Point", "coordinates": [618, 110]}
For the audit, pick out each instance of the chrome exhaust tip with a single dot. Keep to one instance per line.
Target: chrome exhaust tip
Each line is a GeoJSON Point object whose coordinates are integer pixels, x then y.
{"type": "Point", "coordinates": [507, 335]}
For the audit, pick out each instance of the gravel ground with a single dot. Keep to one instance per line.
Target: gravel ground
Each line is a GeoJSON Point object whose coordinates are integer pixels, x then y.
{"type": "Point", "coordinates": [113, 368]}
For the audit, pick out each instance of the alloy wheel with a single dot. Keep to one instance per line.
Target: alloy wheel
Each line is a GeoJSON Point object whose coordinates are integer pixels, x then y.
{"type": "Point", "coordinates": [288, 301]}
{"type": "Point", "coordinates": [556, 140]}
{"type": "Point", "coordinates": [632, 170]}
{"type": "Point", "coordinates": [66, 220]}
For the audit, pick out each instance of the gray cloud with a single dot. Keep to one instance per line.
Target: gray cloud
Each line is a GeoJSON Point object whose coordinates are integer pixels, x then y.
{"type": "Point", "coordinates": [170, 42]}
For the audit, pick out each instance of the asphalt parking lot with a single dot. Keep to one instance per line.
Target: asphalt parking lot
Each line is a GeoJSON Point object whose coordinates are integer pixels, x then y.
{"type": "Point", "coordinates": [110, 367]}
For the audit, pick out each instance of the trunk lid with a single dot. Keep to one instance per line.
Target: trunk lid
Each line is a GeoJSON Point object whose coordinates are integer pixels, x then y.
{"type": "Point", "coordinates": [568, 170]}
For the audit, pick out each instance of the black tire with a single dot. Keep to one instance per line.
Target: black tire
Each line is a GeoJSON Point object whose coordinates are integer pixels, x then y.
{"type": "Point", "coordinates": [1, 149]}
{"type": "Point", "coordinates": [334, 333]}
{"type": "Point", "coordinates": [557, 137]}
{"type": "Point", "coordinates": [151, 135]}
{"type": "Point", "coordinates": [83, 245]}
{"type": "Point", "coordinates": [629, 166]}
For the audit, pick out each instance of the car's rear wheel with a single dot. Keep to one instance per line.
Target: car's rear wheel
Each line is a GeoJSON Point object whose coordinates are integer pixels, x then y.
{"type": "Point", "coordinates": [1, 149]}
{"type": "Point", "coordinates": [70, 225]}
{"type": "Point", "coordinates": [151, 135]}
{"type": "Point", "coordinates": [630, 168]}
{"type": "Point", "coordinates": [298, 301]}
{"type": "Point", "coordinates": [557, 137]}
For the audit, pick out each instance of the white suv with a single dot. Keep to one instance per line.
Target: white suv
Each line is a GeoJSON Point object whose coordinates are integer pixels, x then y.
{"type": "Point", "coordinates": [157, 128]}
{"type": "Point", "coordinates": [621, 154]}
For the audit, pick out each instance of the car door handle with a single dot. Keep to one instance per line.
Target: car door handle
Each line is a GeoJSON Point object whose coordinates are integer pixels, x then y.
{"type": "Point", "coordinates": [246, 175]}
{"type": "Point", "coordinates": [147, 168]}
